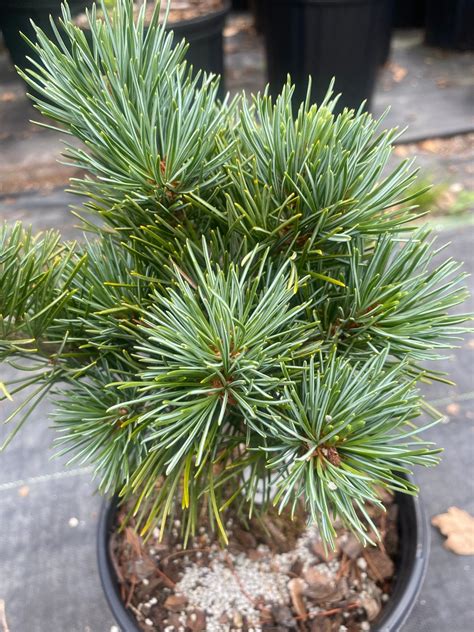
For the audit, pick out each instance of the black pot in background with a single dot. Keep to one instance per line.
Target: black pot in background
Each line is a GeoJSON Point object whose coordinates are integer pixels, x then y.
{"type": "Point", "coordinates": [204, 33]}
{"type": "Point", "coordinates": [408, 14]}
{"type": "Point", "coordinates": [411, 566]}
{"type": "Point", "coordinates": [15, 16]}
{"type": "Point", "coordinates": [254, 6]}
{"type": "Point", "coordinates": [385, 30]}
{"type": "Point", "coordinates": [450, 24]}
{"type": "Point", "coordinates": [257, 8]}
{"type": "Point", "coordinates": [324, 39]}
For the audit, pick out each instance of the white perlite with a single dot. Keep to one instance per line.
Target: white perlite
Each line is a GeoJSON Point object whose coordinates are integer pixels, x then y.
{"type": "Point", "coordinates": [219, 590]}
{"type": "Point", "coordinates": [232, 584]}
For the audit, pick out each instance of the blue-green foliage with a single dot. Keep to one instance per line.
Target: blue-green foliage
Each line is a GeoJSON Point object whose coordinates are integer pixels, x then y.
{"type": "Point", "coordinates": [253, 309]}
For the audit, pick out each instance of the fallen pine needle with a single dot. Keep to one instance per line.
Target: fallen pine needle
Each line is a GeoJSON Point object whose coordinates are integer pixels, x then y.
{"type": "Point", "coordinates": [231, 566]}
{"type": "Point", "coordinates": [328, 613]}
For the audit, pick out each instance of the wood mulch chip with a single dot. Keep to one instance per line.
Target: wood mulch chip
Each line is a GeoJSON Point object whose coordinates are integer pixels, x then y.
{"type": "Point", "coordinates": [275, 575]}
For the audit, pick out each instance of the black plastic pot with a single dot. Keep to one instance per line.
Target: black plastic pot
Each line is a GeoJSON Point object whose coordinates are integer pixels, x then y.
{"type": "Point", "coordinates": [324, 39]}
{"type": "Point", "coordinates": [409, 14]}
{"type": "Point", "coordinates": [204, 33]}
{"type": "Point", "coordinates": [257, 7]}
{"type": "Point", "coordinates": [411, 566]}
{"type": "Point", "coordinates": [385, 31]}
{"type": "Point", "coordinates": [205, 37]}
{"type": "Point", "coordinates": [450, 24]}
{"type": "Point", "coordinates": [15, 16]}
{"type": "Point", "coordinates": [240, 5]}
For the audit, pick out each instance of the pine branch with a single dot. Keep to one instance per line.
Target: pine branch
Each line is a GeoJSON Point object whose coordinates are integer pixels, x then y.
{"type": "Point", "coordinates": [315, 181]}
{"type": "Point", "coordinates": [214, 354]}
{"type": "Point", "coordinates": [93, 433]}
{"type": "Point", "coordinates": [345, 429]}
{"type": "Point", "coordinates": [36, 284]}
{"type": "Point", "coordinates": [149, 127]}
{"type": "Point", "coordinates": [396, 297]}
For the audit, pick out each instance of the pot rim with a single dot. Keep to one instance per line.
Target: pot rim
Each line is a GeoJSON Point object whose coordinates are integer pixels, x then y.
{"type": "Point", "coordinates": [201, 26]}
{"type": "Point", "coordinates": [179, 24]}
{"type": "Point", "coordinates": [411, 566]}
{"type": "Point", "coordinates": [325, 3]}
{"type": "Point", "coordinates": [200, 19]}
{"type": "Point", "coordinates": [47, 5]}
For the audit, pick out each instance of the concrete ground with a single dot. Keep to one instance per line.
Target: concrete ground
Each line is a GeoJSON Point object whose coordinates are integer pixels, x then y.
{"type": "Point", "coordinates": [48, 514]}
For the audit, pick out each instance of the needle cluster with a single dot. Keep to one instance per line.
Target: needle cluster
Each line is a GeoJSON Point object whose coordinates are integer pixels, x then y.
{"type": "Point", "coordinates": [251, 313]}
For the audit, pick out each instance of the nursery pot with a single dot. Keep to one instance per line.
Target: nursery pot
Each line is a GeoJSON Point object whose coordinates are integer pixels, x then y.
{"type": "Point", "coordinates": [385, 30]}
{"type": "Point", "coordinates": [15, 16]}
{"type": "Point", "coordinates": [411, 564]}
{"type": "Point", "coordinates": [409, 14]}
{"type": "Point", "coordinates": [324, 39]}
{"type": "Point", "coordinates": [450, 24]}
{"type": "Point", "coordinates": [204, 33]}
{"type": "Point", "coordinates": [257, 7]}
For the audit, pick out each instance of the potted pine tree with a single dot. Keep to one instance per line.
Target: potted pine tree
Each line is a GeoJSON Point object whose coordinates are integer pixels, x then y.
{"type": "Point", "coordinates": [236, 347]}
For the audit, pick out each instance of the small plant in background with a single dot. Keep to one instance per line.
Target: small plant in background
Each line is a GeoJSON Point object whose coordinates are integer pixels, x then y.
{"type": "Point", "coordinates": [250, 316]}
{"type": "Point", "coordinates": [448, 199]}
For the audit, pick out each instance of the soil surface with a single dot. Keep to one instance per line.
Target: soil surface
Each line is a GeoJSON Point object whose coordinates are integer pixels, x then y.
{"type": "Point", "coordinates": [275, 575]}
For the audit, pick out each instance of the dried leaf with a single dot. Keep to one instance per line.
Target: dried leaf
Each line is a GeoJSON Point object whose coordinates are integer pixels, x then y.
{"type": "Point", "coordinates": [134, 540]}
{"type": "Point", "coordinates": [371, 606]}
{"type": "Point", "coordinates": [458, 526]}
{"type": "Point", "coordinates": [398, 72]}
{"type": "Point", "coordinates": [296, 587]}
{"type": "Point", "coordinates": [453, 409]}
{"type": "Point", "coordinates": [196, 621]}
{"type": "Point", "coordinates": [325, 555]}
{"type": "Point", "coordinates": [380, 565]}
{"type": "Point", "coordinates": [350, 545]}
{"type": "Point", "coordinates": [401, 151]}
{"type": "Point", "coordinates": [320, 584]}
{"type": "Point", "coordinates": [432, 145]}
{"type": "Point", "coordinates": [245, 538]}
{"type": "Point", "coordinates": [7, 97]}
{"type": "Point", "coordinates": [143, 568]}
{"type": "Point", "coordinates": [176, 603]}
{"type": "Point", "coordinates": [443, 82]}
